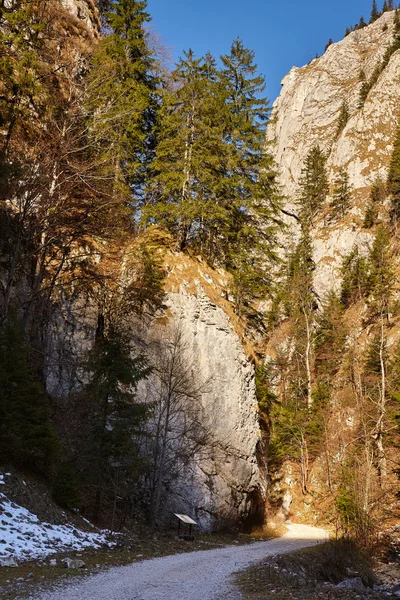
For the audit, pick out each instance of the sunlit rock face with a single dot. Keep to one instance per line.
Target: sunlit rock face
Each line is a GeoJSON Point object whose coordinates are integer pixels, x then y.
{"type": "Point", "coordinates": [85, 10]}
{"type": "Point", "coordinates": [223, 482]}
{"type": "Point", "coordinates": [220, 481]}
{"type": "Point", "coordinates": [307, 112]}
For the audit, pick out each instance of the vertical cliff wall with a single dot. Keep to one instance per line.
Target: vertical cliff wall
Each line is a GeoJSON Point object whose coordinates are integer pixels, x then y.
{"type": "Point", "coordinates": [307, 113]}
{"type": "Point", "coordinates": [219, 479]}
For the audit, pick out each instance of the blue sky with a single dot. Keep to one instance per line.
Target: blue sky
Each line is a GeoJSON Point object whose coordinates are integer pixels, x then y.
{"type": "Point", "coordinates": [282, 33]}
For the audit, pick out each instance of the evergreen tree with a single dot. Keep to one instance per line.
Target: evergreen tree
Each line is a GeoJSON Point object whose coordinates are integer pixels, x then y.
{"type": "Point", "coordinates": [313, 185]}
{"type": "Point", "coordinates": [302, 305]}
{"type": "Point", "coordinates": [248, 189]}
{"type": "Point", "coordinates": [382, 276]}
{"type": "Point", "coordinates": [375, 14]}
{"type": "Point", "coordinates": [213, 184]}
{"type": "Point", "coordinates": [123, 99]}
{"type": "Point", "coordinates": [341, 197]}
{"type": "Point", "coordinates": [330, 337]}
{"type": "Point", "coordinates": [190, 154]}
{"type": "Point", "coordinates": [362, 23]}
{"type": "Point", "coordinates": [329, 43]}
{"type": "Point", "coordinates": [385, 7]}
{"type": "Point", "coordinates": [344, 116]}
{"type": "Point", "coordinates": [393, 181]}
{"type": "Point", "coordinates": [115, 417]}
{"type": "Point", "coordinates": [354, 277]}
{"type": "Point", "coordinates": [26, 436]}
{"type": "Point", "coordinates": [376, 198]}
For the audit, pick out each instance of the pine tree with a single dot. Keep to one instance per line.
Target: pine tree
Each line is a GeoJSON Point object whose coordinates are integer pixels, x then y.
{"type": "Point", "coordinates": [393, 181]}
{"type": "Point", "coordinates": [385, 7]}
{"type": "Point", "coordinates": [341, 197]}
{"type": "Point", "coordinates": [344, 116]}
{"type": "Point", "coordinates": [376, 198]}
{"type": "Point", "coordinates": [362, 23]}
{"type": "Point", "coordinates": [354, 277]}
{"type": "Point", "coordinates": [382, 276]}
{"type": "Point", "coordinates": [313, 184]}
{"type": "Point", "coordinates": [375, 14]}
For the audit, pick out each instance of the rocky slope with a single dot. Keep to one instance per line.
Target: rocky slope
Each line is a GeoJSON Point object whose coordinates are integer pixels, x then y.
{"type": "Point", "coordinates": [307, 112]}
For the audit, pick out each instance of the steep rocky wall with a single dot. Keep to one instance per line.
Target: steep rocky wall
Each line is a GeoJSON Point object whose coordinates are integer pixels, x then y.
{"type": "Point", "coordinates": [85, 10]}
{"type": "Point", "coordinates": [223, 480]}
{"type": "Point", "coordinates": [306, 113]}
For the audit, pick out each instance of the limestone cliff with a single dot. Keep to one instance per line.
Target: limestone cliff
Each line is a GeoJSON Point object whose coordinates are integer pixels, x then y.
{"type": "Point", "coordinates": [306, 113]}
{"type": "Point", "coordinates": [85, 10]}
{"type": "Point", "coordinates": [219, 479]}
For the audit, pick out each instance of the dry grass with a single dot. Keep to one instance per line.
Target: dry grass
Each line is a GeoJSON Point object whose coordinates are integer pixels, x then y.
{"type": "Point", "coordinates": [310, 574]}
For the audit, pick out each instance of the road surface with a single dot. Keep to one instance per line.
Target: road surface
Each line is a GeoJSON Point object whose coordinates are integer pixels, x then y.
{"type": "Point", "coordinates": [203, 575]}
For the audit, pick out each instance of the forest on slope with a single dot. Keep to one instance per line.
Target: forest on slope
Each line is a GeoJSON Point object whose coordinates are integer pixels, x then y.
{"type": "Point", "coordinates": [104, 149]}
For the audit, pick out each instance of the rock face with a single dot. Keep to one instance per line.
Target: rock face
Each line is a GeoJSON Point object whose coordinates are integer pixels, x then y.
{"type": "Point", "coordinates": [306, 113]}
{"type": "Point", "coordinates": [85, 10]}
{"type": "Point", "coordinates": [223, 482]}
{"type": "Point", "coordinates": [220, 480]}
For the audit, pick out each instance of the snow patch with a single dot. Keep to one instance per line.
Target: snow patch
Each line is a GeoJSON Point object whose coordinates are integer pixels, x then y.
{"type": "Point", "coordinates": [24, 537]}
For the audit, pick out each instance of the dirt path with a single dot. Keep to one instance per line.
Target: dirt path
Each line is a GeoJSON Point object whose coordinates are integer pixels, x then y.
{"type": "Point", "coordinates": [203, 575]}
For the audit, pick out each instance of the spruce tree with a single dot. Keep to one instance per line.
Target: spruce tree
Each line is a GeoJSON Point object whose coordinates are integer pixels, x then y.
{"type": "Point", "coordinates": [314, 186]}
{"type": "Point", "coordinates": [329, 43]}
{"type": "Point", "coordinates": [376, 198]}
{"type": "Point", "coordinates": [341, 197]}
{"type": "Point", "coordinates": [393, 180]}
{"type": "Point", "coordinates": [26, 435]}
{"type": "Point", "coordinates": [190, 154]}
{"type": "Point", "coordinates": [382, 275]}
{"type": "Point", "coordinates": [115, 417]}
{"type": "Point", "coordinates": [375, 14]}
{"type": "Point", "coordinates": [302, 305]}
{"type": "Point", "coordinates": [344, 116]}
{"type": "Point", "coordinates": [330, 337]}
{"type": "Point", "coordinates": [354, 277]}
{"type": "Point", "coordinates": [123, 99]}
{"type": "Point", "coordinates": [362, 23]}
{"type": "Point", "coordinates": [247, 190]}
{"type": "Point", "coordinates": [213, 184]}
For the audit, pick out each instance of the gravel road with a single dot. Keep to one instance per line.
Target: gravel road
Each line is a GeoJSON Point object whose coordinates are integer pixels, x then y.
{"type": "Point", "coordinates": [204, 575]}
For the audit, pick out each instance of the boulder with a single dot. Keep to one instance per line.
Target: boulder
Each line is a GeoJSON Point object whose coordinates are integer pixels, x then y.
{"type": "Point", "coordinates": [8, 562]}
{"type": "Point", "coordinates": [351, 584]}
{"type": "Point", "coordinates": [71, 563]}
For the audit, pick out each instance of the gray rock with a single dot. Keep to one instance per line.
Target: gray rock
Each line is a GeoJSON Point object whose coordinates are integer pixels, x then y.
{"type": "Point", "coordinates": [306, 113]}
{"type": "Point", "coordinates": [53, 562]}
{"type": "Point", "coordinates": [8, 562]}
{"type": "Point", "coordinates": [71, 563]}
{"type": "Point", "coordinates": [350, 584]}
{"type": "Point", "coordinates": [224, 478]}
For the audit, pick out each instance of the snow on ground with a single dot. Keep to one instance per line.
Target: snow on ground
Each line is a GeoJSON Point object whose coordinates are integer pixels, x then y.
{"type": "Point", "coordinates": [24, 537]}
